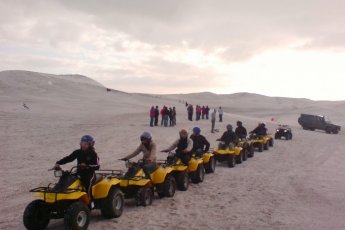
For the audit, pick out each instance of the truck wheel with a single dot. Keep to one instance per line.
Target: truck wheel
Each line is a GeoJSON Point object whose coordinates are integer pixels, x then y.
{"type": "Point", "coordinates": [239, 158]}
{"type": "Point", "coordinates": [182, 180]}
{"type": "Point", "coordinates": [210, 167]}
{"type": "Point", "coordinates": [271, 142]}
{"type": "Point", "coordinates": [168, 188]}
{"type": "Point", "coordinates": [199, 174]}
{"type": "Point", "coordinates": [112, 205]}
{"type": "Point", "coordinates": [77, 216]}
{"type": "Point", "coordinates": [335, 131]}
{"type": "Point", "coordinates": [144, 196]}
{"type": "Point", "coordinates": [231, 161]}
{"type": "Point", "coordinates": [36, 215]}
{"type": "Point", "coordinates": [290, 136]}
{"type": "Point", "coordinates": [276, 136]}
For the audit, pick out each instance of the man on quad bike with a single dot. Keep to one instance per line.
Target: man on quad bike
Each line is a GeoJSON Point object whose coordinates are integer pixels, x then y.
{"type": "Point", "coordinates": [183, 146]}
{"type": "Point", "coordinates": [200, 143]}
{"type": "Point", "coordinates": [148, 147]}
{"type": "Point", "coordinates": [87, 161]}
{"type": "Point", "coordinates": [228, 138]}
{"type": "Point", "coordinates": [241, 132]}
{"type": "Point", "coordinates": [260, 130]}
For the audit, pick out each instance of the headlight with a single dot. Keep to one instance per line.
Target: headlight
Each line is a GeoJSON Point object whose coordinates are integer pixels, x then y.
{"type": "Point", "coordinates": [285, 131]}
{"type": "Point", "coordinates": [277, 130]}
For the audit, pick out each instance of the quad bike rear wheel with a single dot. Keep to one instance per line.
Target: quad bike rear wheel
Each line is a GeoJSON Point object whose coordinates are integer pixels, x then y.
{"type": "Point", "coordinates": [112, 205]}
{"type": "Point", "coordinates": [251, 151]}
{"type": "Point", "coordinates": [36, 215]}
{"type": "Point", "coordinates": [266, 146]}
{"type": "Point", "coordinates": [182, 180]}
{"type": "Point", "coordinates": [168, 188]}
{"type": "Point", "coordinates": [77, 216]}
{"type": "Point", "coordinates": [144, 196]}
{"type": "Point", "coordinates": [210, 166]}
{"type": "Point", "coordinates": [199, 174]}
{"type": "Point", "coordinates": [231, 161]}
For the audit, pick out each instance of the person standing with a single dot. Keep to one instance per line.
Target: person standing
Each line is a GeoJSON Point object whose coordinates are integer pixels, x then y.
{"type": "Point", "coordinates": [165, 116]}
{"type": "Point", "coordinates": [152, 116]}
{"type": "Point", "coordinates": [190, 112]}
{"type": "Point", "coordinates": [213, 120]}
{"type": "Point", "coordinates": [174, 116]}
{"type": "Point", "coordinates": [162, 115]}
{"type": "Point", "coordinates": [170, 116]}
{"type": "Point", "coordinates": [207, 111]}
{"type": "Point", "coordinates": [156, 115]}
{"type": "Point", "coordinates": [220, 112]}
{"type": "Point", "coordinates": [203, 111]}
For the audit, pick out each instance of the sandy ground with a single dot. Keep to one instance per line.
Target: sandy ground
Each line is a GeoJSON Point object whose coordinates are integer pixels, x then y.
{"type": "Point", "coordinates": [297, 184]}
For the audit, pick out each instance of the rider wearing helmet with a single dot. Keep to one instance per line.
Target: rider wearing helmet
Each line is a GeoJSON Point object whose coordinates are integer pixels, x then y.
{"type": "Point", "coordinates": [183, 146]}
{"type": "Point", "coordinates": [200, 143]}
{"type": "Point", "coordinates": [148, 148]}
{"type": "Point", "coordinates": [87, 161]}
{"type": "Point", "coordinates": [240, 131]}
{"type": "Point", "coordinates": [229, 138]}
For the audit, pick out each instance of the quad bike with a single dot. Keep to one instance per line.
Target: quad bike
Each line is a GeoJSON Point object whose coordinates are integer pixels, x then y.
{"type": "Point", "coordinates": [68, 199]}
{"type": "Point", "coordinates": [135, 184]}
{"type": "Point", "coordinates": [261, 142]}
{"type": "Point", "coordinates": [247, 146]}
{"type": "Point", "coordinates": [195, 169]}
{"type": "Point", "coordinates": [283, 131]}
{"type": "Point", "coordinates": [232, 156]}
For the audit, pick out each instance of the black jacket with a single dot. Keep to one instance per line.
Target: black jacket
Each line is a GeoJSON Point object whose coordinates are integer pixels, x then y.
{"type": "Point", "coordinates": [241, 132]}
{"type": "Point", "coordinates": [89, 158]}
{"type": "Point", "coordinates": [260, 131]}
{"type": "Point", "coordinates": [229, 137]}
{"type": "Point", "coordinates": [200, 142]}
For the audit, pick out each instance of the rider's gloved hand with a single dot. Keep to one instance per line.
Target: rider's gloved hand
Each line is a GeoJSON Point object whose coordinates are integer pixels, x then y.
{"type": "Point", "coordinates": [57, 167]}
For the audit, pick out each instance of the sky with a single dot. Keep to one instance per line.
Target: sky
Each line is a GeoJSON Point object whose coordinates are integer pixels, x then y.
{"type": "Point", "coordinates": [288, 48]}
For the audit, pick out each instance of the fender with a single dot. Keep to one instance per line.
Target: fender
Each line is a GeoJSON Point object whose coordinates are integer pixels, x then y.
{"type": "Point", "coordinates": [238, 150]}
{"type": "Point", "coordinates": [102, 188]}
{"type": "Point", "coordinates": [193, 164]}
{"type": "Point", "coordinates": [206, 157]}
{"type": "Point", "coordinates": [159, 175]}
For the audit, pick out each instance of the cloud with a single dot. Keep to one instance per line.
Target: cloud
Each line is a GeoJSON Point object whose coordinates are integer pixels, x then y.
{"type": "Point", "coordinates": [182, 45]}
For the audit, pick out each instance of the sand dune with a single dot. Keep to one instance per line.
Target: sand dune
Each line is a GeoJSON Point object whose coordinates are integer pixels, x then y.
{"type": "Point", "coordinates": [295, 185]}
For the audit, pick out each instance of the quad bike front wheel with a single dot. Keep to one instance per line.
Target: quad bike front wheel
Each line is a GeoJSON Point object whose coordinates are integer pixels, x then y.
{"type": "Point", "coordinates": [77, 216]}
{"type": "Point", "coordinates": [271, 142]}
{"type": "Point", "coordinates": [199, 174]}
{"type": "Point", "coordinates": [210, 166]}
{"type": "Point", "coordinates": [182, 180]}
{"type": "Point", "coordinates": [112, 205]}
{"type": "Point", "coordinates": [168, 188]}
{"type": "Point", "coordinates": [36, 215]}
{"type": "Point", "coordinates": [245, 154]}
{"type": "Point", "coordinates": [251, 151]}
{"type": "Point", "coordinates": [266, 146]}
{"type": "Point", "coordinates": [144, 196]}
{"type": "Point", "coordinates": [239, 158]}
{"type": "Point", "coordinates": [231, 161]}
{"type": "Point", "coordinates": [261, 147]}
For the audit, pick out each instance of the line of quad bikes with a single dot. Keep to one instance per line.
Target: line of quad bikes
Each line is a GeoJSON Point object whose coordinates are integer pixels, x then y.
{"type": "Point", "coordinates": [68, 199]}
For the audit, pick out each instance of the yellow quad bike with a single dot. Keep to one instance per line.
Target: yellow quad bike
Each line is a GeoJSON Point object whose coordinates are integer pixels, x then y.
{"type": "Point", "coordinates": [231, 156]}
{"type": "Point", "coordinates": [136, 185]}
{"type": "Point", "coordinates": [248, 148]}
{"type": "Point", "coordinates": [208, 160]}
{"type": "Point", "coordinates": [68, 199]}
{"type": "Point", "coordinates": [195, 170]}
{"type": "Point", "coordinates": [262, 142]}
{"type": "Point", "coordinates": [180, 172]}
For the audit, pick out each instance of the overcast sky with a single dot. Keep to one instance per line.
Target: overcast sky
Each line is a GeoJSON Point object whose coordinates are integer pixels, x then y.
{"type": "Point", "coordinates": [292, 48]}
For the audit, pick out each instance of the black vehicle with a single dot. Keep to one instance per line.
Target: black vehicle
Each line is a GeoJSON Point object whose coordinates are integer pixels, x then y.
{"type": "Point", "coordinates": [312, 122]}
{"type": "Point", "coordinates": [283, 131]}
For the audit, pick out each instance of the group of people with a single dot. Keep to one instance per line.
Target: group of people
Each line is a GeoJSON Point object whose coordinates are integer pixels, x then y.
{"type": "Point", "coordinates": [168, 116]}
{"type": "Point", "coordinates": [184, 146]}
{"type": "Point", "coordinates": [202, 112]}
